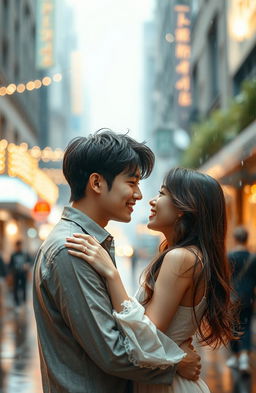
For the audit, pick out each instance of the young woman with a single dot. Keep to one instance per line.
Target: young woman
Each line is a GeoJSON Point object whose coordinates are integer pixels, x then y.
{"type": "Point", "coordinates": [186, 288]}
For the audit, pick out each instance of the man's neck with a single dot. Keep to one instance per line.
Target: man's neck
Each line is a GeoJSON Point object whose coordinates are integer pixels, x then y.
{"type": "Point", "coordinates": [91, 211]}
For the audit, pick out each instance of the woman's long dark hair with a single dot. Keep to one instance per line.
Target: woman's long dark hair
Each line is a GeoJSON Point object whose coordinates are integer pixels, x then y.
{"type": "Point", "coordinates": [203, 225]}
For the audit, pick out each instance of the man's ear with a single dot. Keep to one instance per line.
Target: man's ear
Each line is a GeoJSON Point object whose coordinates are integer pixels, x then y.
{"type": "Point", "coordinates": [95, 182]}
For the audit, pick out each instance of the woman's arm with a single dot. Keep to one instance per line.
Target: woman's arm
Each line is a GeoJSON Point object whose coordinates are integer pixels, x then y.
{"type": "Point", "coordinates": [152, 348]}
{"type": "Point", "coordinates": [90, 250]}
{"type": "Point", "coordinates": [174, 279]}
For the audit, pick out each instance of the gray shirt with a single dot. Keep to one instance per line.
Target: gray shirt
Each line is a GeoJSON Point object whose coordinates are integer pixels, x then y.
{"type": "Point", "coordinates": [81, 349]}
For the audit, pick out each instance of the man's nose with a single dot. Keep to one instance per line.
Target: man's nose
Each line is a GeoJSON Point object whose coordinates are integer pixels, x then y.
{"type": "Point", "coordinates": [137, 194]}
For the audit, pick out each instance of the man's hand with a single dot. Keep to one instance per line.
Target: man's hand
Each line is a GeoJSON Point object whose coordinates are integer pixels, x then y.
{"type": "Point", "coordinates": [190, 366]}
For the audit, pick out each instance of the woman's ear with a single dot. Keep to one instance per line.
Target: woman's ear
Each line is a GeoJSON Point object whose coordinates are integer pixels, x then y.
{"type": "Point", "coordinates": [95, 182]}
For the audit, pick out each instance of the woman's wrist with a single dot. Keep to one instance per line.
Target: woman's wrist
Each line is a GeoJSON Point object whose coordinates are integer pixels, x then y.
{"type": "Point", "coordinates": [112, 274]}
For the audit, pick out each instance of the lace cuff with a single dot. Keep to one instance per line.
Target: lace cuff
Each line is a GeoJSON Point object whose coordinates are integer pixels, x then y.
{"type": "Point", "coordinates": [145, 345]}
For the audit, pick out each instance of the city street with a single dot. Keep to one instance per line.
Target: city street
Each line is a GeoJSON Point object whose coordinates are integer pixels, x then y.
{"type": "Point", "coordinates": [146, 101]}
{"type": "Point", "coordinates": [20, 364]}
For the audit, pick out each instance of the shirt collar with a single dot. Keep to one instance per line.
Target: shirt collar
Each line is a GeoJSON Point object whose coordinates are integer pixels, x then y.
{"type": "Point", "coordinates": [86, 223]}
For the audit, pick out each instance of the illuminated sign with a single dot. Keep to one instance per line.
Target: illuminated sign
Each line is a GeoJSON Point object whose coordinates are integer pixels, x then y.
{"type": "Point", "coordinates": [183, 54]}
{"type": "Point", "coordinates": [41, 210]}
{"type": "Point", "coordinates": [242, 19]}
{"type": "Point", "coordinates": [17, 161]}
{"type": "Point", "coordinates": [45, 34]}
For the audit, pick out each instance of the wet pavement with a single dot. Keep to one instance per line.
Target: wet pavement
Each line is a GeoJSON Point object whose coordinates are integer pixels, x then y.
{"type": "Point", "coordinates": [222, 379]}
{"type": "Point", "coordinates": [19, 366]}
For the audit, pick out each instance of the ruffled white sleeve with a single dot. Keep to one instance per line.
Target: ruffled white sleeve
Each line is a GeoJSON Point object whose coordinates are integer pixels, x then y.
{"type": "Point", "coordinates": [145, 345]}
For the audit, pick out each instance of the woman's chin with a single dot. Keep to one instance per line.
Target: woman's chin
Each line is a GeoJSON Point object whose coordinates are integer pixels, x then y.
{"type": "Point", "coordinates": [151, 226]}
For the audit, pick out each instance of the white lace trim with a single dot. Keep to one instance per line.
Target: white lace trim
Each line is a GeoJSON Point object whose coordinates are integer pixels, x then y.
{"type": "Point", "coordinates": [145, 346]}
{"type": "Point", "coordinates": [140, 364]}
{"type": "Point", "coordinates": [127, 305]}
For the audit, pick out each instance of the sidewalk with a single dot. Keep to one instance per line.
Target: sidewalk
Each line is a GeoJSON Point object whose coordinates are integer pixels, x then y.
{"type": "Point", "coordinates": [19, 365]}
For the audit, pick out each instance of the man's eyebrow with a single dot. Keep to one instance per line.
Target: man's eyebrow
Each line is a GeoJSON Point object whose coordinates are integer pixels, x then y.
{"type": "Point", "coordinates": [134, 175]}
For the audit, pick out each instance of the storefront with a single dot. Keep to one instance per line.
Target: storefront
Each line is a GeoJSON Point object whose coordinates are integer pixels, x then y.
{"type": "Point", "coordinates": [235, 167]}
{"type": "Point", "coordinates": [22, 184]}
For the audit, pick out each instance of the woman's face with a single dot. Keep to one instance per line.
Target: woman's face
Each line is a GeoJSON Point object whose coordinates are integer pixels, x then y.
{"type": "Point", "coordinates": [163, 213]}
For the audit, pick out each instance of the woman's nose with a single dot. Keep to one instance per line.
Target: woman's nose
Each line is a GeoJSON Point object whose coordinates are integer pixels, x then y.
{"type": "Point", "coordinates": [152, 202]}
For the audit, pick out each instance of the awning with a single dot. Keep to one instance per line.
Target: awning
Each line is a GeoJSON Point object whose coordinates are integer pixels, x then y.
{"type": "Point", "coordinates": [235, 163]}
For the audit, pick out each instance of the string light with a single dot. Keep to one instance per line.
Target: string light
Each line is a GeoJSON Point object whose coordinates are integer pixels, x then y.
{"type": "Point", "coordinates": [46, 81]}
{"type": "Point", "coordinates": [47, 154]}
{"type": "Point", "coordinates": [21, 87]}
{"type": "Point", "coordinates": [30, 85]}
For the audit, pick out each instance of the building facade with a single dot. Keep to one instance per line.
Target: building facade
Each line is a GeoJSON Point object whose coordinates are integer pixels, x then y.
{"type": "Point", "coordinates": [19, 112]}
{"type": "Point", "coordinates": [22, 123]}
{"type": "Point", "coordinates": [223, 57]}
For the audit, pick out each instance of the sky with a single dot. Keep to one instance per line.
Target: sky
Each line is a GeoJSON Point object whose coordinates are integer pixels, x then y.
{"type": "Point", "coordinates": [110, 40]}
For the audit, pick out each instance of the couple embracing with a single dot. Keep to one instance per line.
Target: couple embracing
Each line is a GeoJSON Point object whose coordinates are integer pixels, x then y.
{"type": "Point", "coordinates": [95, 338]}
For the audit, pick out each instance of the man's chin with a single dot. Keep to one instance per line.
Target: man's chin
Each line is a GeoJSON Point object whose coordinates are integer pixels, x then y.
{"type": "Point", "coordinates": [122, 219]}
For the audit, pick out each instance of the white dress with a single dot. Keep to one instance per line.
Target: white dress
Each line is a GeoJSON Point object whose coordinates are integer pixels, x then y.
{"type": "Point", "coordinates": [147, 347]}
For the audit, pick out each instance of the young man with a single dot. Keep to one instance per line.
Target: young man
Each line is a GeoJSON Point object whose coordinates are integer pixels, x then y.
{"type": "Point", "coordinates": [81, 349]}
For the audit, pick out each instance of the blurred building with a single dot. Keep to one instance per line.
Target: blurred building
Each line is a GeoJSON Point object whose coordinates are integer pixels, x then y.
{"type": "Point", "coordinates": [167, 95]}
{"type": "Point", "coordinates": [203, 52]}
{"type": "Point", "coordinates": [66, 114]}
{"type": "Point", "coordinates": [19, 113]}
{"type": "Point", "coordinates": [60, 94]}
{"type": "Point", "coordinates": [223, 57]}
{"type": "Point", "coordinates": [23, 121]}
{"type": "Point", "coordinates": [172, 90]}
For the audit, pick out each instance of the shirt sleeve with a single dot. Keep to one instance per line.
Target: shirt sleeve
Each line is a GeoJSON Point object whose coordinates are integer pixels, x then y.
{"type": "Point", "coordinates": [145, 345]}
{"type": "Point", "coordinates": [82, 298]}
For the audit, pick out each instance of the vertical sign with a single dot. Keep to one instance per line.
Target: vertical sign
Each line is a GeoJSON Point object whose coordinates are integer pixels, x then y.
{"type": "Point", "coordinates": [45, 34]}
{"type": "Point", "coordinates": [183, 54]}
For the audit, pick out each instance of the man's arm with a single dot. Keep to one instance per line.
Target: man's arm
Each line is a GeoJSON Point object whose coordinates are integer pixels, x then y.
{"type": "Point", "coordinates": [84, 303]}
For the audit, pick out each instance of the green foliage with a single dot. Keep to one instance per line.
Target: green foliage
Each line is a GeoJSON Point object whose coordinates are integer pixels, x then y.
{"type": "Point", "coordinates": [221, 127]}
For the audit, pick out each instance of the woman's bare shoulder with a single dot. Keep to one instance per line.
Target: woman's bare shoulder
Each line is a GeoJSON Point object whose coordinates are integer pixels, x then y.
{"type": "Point", "coordinates": [181, 260]}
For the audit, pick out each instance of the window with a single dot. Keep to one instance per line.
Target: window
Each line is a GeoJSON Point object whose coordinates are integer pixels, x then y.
{"type": "Point", "coordinates": [213, 60]}
{"type": "Point", "coordinates": [2, 126]}
{"type": "Point", "coordinates": [5, 51]}
{"type": "Point", "coordinates": [246, 71]}
{"type": "Point", "coordinates": [195, 91]}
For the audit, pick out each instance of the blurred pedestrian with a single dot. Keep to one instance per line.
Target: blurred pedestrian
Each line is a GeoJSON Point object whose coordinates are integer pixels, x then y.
{"type": "Point", "coordinates": [2, 268]}
{"type": "Point", "coordinates": [243, 266]}
{"type": "Point", "coordinates": [2, 282]}
{"type": "Point", "coordinates": [19, 268]}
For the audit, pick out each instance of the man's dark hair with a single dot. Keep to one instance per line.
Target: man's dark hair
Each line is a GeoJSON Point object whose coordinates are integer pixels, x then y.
{"type": "Point", "coordinates": [240, 235]}
{"type": "Point", "coordinates": [18, 243]}
{"type": "Point", "coordinates": [106, 153]}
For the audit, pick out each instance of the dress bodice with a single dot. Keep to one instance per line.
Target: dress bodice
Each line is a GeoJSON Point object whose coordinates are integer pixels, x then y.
{"type": "Point", "coordinates": [183, 324]}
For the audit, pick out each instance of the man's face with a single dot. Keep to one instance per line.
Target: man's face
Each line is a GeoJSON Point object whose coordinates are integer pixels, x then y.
{"type": "Point", "coordinates": [117, 204]}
